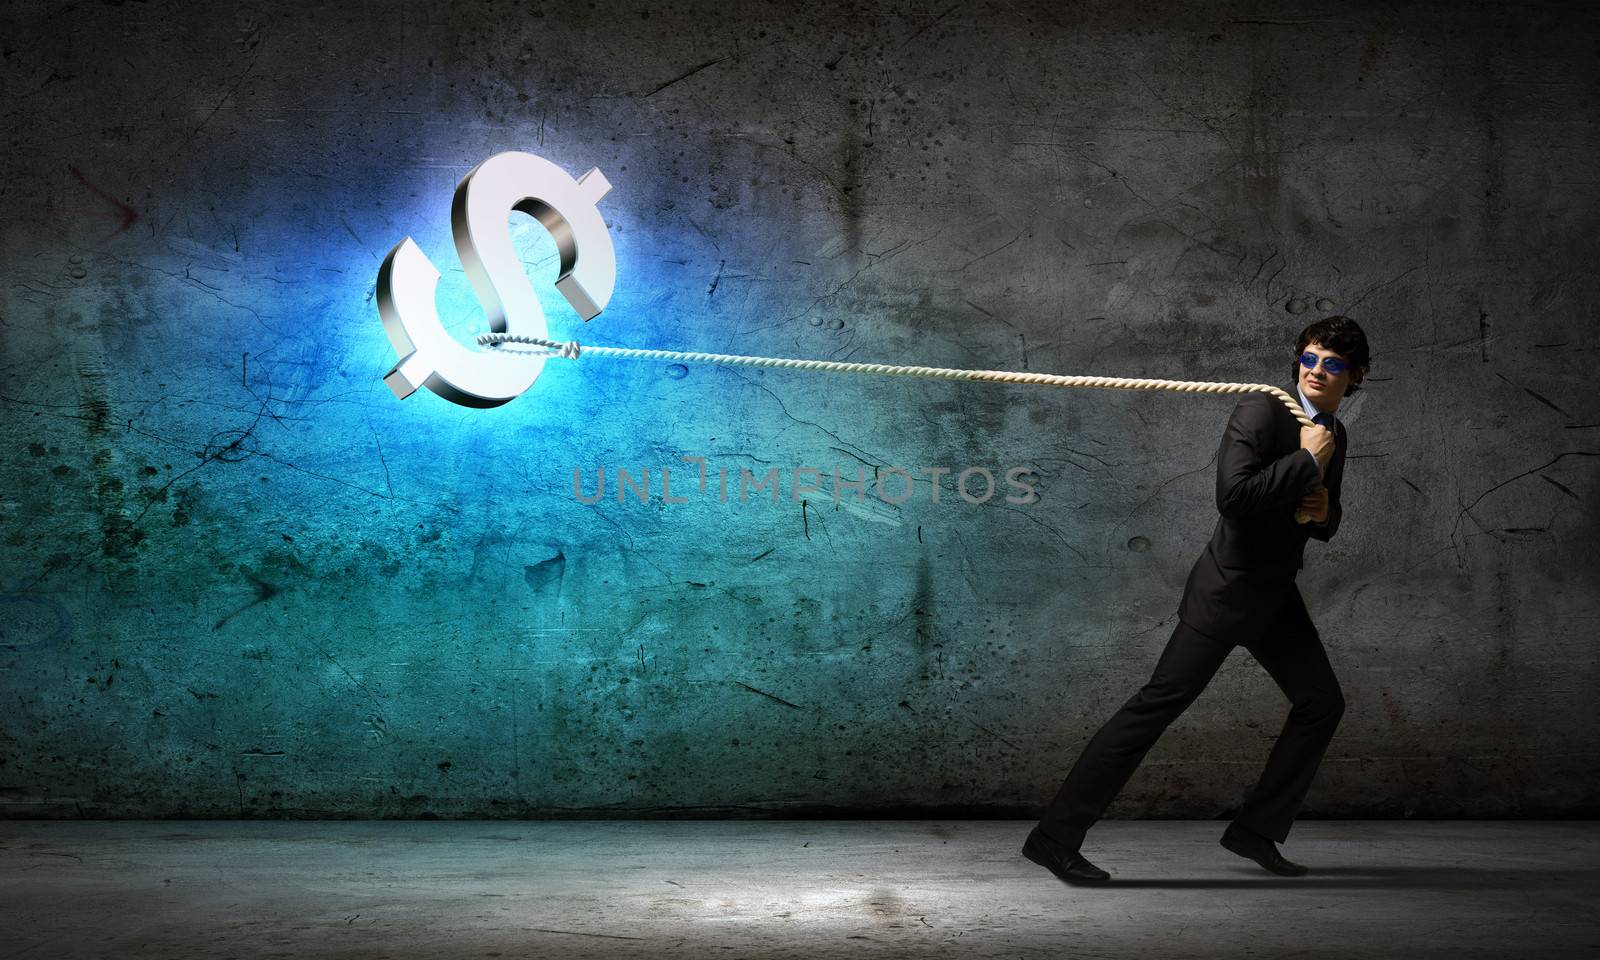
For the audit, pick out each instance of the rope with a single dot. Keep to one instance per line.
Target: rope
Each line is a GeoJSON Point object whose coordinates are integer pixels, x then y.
{"type": "Point", "coordinates": [571, 350]}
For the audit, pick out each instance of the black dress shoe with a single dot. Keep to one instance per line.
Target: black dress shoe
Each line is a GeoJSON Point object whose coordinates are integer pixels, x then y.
{"type": "Point", "coordinates": [1064, 862]}
{"type": "Point", "coordinates": [1253, 846]}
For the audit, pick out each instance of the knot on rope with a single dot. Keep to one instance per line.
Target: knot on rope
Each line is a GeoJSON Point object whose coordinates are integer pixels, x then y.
{"type": "Point", "coordinates": [569, 349]}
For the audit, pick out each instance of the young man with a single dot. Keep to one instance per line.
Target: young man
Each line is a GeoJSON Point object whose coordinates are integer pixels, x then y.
{"type": "Point", "coordinates": [1240, 592]}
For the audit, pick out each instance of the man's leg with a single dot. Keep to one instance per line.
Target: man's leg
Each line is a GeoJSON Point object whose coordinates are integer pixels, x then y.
{"type": "Point", "coordinates": [1186, 666]}
{"type": "Point", "coordinates": [1291, 651]}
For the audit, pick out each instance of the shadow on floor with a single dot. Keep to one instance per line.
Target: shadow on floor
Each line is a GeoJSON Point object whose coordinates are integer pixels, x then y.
{"type": "Point", "coordinates": [1394, 878]}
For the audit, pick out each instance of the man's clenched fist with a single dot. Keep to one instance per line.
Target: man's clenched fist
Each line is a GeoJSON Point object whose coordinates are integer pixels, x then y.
{"type": "Point", "coordinates": [1319, 440]}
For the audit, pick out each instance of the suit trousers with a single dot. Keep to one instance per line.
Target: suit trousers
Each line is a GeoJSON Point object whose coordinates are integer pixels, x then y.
{"type": "Point", "coordinates": [1292, 653]}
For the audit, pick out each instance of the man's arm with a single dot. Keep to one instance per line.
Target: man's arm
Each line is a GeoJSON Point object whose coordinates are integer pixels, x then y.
{"type": "Point", "coordinates": [1248, 480]}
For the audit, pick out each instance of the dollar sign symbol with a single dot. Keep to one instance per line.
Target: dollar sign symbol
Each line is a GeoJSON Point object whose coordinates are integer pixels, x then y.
{"type": "Point", "coordinates": [408, 281]}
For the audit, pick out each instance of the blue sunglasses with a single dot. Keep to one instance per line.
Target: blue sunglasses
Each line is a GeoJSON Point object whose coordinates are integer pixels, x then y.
{"type": "Point", "coordinates": [1333, 365]}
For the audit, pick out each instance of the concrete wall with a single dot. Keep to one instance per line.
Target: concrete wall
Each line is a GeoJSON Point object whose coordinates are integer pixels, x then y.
{"type": "Point", "coordinates": [241, 579]}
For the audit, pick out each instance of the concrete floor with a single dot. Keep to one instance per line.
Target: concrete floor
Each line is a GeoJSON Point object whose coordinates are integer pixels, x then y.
{"type": "Point", "coordinates": [808, 889]}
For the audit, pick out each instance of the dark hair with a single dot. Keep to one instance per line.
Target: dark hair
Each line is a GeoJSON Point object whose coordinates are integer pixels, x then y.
{"type": "Point", "coordinates": [1344, 337]}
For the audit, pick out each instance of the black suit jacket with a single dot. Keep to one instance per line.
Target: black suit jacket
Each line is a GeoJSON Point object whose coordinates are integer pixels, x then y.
{"type": "Point", "coordinates": [1248, 569]}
